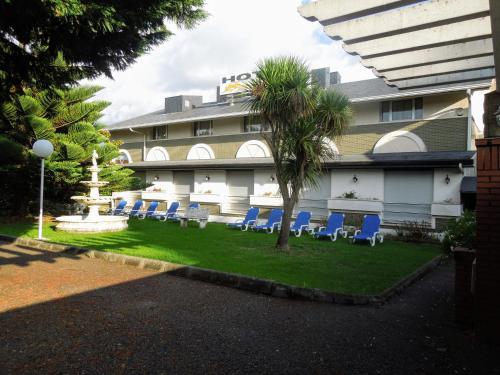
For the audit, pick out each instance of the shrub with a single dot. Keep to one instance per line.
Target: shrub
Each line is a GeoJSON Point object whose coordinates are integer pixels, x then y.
{"type": "Point", "coordinates": [414, 231]}
{"type": "Point", "coordinates": [350, 195]}
{"type": "Point", "coordinates": [460, 232]}
{"type": "Point", "coordinates": [354, 219]}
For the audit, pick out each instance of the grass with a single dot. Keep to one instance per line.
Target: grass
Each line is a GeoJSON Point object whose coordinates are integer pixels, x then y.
{"type": "Point", "coordinates": [335, 266]}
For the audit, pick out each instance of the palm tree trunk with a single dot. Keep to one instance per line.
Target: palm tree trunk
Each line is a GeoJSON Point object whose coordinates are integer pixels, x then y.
{"type": "Point", "coordinates": [288, 205]}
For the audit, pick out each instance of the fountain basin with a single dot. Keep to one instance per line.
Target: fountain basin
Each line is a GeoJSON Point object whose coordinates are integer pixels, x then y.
{"type": "Point", "coordinates": [91, 200]}
{"type": "Point", "coordinates": [95, 183]}
{"type": "Point", "coordinates": [87, 224]}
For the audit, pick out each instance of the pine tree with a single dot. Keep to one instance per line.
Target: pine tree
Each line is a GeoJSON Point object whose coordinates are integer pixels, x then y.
{"type": "Point", "coordinates": [55, 43]}
{"type": "Point", "coordinates": [71, 122]}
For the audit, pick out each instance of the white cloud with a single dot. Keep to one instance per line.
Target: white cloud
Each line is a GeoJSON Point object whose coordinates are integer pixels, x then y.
{"type": "Point", "coordinates": [237, 35]}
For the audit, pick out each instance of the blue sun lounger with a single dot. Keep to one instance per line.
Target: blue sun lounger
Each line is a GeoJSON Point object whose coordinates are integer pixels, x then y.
{"type": "Point", "coordinates": [135, 209]}
{"type": "Point", "coordinates": [370, 230]}
{"type": "Point", "coordinates": [194, 205]}
{"type": "Point", "coordinates": [248, 222]}
{"type": "Point", "coordinates": [334, 227]}
{"type": "Point", "coordinates": [171, 213]}
{"type": "Point", "coordinates": [149, 212]}
{"type": "Point", "coordinates": [301, 223]}
{"type": "Point", "coordinates": [273, 222]}
{"type": "Point", "coordinates": [119, 208]}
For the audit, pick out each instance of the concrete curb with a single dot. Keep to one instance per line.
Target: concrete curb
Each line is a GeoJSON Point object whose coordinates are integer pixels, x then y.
{"type": "Point", "coordinates": [248, 283]}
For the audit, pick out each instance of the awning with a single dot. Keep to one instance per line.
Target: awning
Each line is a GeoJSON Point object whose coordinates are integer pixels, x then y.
{"type": "Point", "coordinates": [401, 160]}
{"type": "Point", "coordinates": [468, 185]}
{"type": "Point", "coordinates": [416, 43]}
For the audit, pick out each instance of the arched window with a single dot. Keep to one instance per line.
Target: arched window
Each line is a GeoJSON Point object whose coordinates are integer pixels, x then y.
{"type": "Point", "coordinates": [253, 149]}
{"type": "Point", "coordinates": [157, 154]}
{"type": "Point", "coordinates": [200, 151]}
{"type": "Point", "coordinates": [399, 141]}
{"type": "Point", "coordinates": [331, 145]}
{"type": "Point", "coordinates": [123, 158]}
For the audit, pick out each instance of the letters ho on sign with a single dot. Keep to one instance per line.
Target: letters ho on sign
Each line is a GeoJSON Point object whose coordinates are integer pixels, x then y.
{"type": "Point", "coordinates": [234, 84]}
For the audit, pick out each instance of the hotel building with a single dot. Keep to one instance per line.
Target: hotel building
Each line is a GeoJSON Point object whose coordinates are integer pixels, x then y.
{"type": "Point", "coordinates": [407, 156]}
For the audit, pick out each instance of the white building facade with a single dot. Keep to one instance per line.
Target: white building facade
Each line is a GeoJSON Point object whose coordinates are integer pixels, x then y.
{"type": "Point", "coordinates": [404, 157]}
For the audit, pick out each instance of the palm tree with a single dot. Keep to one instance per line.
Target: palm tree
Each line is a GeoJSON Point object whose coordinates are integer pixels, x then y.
{"type": "Point", "coordinates": [300, 116]}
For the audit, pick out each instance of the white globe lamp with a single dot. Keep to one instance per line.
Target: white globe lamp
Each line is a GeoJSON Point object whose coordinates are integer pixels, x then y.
{"type": "Point", "coordinates": [43, 149]}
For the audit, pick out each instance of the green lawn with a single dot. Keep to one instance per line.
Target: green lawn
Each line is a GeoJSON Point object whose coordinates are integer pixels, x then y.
{"type": "Point", "coordinates": [335, 266]}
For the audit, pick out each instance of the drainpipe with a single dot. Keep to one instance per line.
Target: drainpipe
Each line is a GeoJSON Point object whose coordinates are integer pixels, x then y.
{"type": "Point", "coordinates": [469, 120]}
{"type": "Point", "coordinates": [143, 144]}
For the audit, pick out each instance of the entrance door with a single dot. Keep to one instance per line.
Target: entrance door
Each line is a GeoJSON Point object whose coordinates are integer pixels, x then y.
{"type": "Point", "coordinates": [408, 196]}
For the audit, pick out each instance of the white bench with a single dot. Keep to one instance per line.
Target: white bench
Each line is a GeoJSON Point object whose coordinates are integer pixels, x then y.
{"type": "Point", "coordinates": [195, 214]}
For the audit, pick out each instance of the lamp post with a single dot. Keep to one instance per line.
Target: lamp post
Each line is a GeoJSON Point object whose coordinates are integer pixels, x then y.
{"type": "Point", "coordinates": [43, 149]}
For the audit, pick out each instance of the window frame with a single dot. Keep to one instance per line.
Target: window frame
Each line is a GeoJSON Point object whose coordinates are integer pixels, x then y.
{"type": "Point", "coordinates": [246, 124]}
{"type": "Point", "coordinates": [155, 133]}
{"type": "Point", "coordinates": [413, 109]}
{"type": "Point", "coordinates": [210, 128]}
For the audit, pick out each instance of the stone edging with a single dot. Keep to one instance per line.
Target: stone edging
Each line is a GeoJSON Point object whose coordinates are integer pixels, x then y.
{"type": "Point", "coordinates": [248, 283]}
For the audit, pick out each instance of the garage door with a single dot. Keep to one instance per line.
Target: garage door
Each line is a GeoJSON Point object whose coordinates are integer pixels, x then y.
{"type": "Point", "coordinates": [183, 182]}
{"type": "Point", "coordinates": [239, 183]}
{"type": "Point", "coordinates": [239, 188]}
{"type": "Point", "coordinates": [408, 196]}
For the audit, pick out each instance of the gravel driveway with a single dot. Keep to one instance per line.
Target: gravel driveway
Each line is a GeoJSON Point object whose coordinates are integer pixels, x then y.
{"type": "Point", "coordinates": [70, 314]}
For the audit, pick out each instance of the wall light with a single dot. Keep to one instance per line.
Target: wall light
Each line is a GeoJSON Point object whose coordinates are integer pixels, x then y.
{"type": "Point", "coordinates": [207, 178]}
{"type": "Point", "coordinates": [272, 178]}
{"type": "Point", "coordinates": [447, 179]}
{"type": "Point", "coordinates": [355, 179]}
{"type": "Point", "coordinates": [157, 178]}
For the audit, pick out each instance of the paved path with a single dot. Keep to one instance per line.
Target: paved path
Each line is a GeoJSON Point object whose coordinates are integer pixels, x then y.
{"type": "Point", "coordinates": [70, 314]}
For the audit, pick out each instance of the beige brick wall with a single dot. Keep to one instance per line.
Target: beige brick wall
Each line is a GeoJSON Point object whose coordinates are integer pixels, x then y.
{"type": "Point", "coordinates": [224, 147]}
{"type": "Point", "coordinates": [438, 135]}
{"type": "Point", "coordinates": [447, 134]}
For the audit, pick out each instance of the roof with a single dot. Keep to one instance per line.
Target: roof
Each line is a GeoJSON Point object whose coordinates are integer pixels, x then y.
{"type": "Point", "coordinates": [376, 89]}
{"type": "Point", "coordinates": [358, 91]}
{"type": "Point", "coordinates": [159, 117]}
{"type": "Point", "coordinates": [389, 160]}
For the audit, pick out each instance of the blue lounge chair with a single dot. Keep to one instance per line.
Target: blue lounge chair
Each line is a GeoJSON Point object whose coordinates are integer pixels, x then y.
{"type": "Point", "coordinates": [135, 209]}
{"type": "Point", "coordinates": [334, 227]}
{"type": "Point", "coordinates": [249, 220]}
{"type": "Point", "coordinates": [301, 223]}
{"type": "Point", "coordinates": [170, 214]}
{"type": "Point", "coordinates": [149, 212]}
{"type": "Point", "coordinates": [194, 205]}
{"type": "Point", "coordinates": [119, 208]}
{"type": "Point", "coordinates": [370, 230]}
{"type": "Point", "coordinates": [273, 222]}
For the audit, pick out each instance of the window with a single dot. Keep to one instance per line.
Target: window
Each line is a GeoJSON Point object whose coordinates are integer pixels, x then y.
{"type": "Point", "coordinates": [123, 158]}
{"type": "Point", "coordinates": [202, 128]}
{"type": "Point", "coordinates": [253, 124]}
{"type": "Point", "coordinates": [157, 154]}
{"type": "Point", "coordinates": [400, 110]}
{"type": "Point", "coordinates": [160, 132]}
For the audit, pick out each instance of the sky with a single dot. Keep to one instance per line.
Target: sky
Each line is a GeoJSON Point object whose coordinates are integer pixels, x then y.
{"type": "Point", "coordinates": [237, 34]}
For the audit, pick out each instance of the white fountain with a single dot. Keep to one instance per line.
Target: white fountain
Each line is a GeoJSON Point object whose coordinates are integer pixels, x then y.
{"type": "Point", "coordinates": [93, 222]}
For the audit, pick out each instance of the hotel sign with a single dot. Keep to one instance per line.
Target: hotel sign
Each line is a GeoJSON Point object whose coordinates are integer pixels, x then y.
{"type": "Point", "coordinates": [235, 84]}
